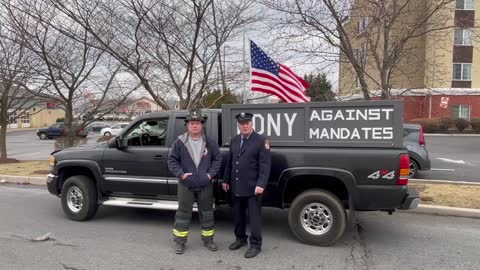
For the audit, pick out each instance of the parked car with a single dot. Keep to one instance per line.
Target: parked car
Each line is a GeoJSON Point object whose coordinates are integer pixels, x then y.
{"type": "Point", "coordinates": [98, 126]}
{"type": "Point", "coordinates": [113, 130]}
{"type": "Point", "coordinates": [57, 130]}
{"type": "Point", "coordinates": [414, 141]}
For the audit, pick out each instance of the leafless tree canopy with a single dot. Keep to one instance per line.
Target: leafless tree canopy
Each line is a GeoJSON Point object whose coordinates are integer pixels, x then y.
{"type": "Point", "coordinates": [67, 59]}
{"type": "Point", "coordinates": [15, 70]}
{"type": "Point", "coordinates": [172, 47]}
{"type": "Point", "coordinates": [388, 30]}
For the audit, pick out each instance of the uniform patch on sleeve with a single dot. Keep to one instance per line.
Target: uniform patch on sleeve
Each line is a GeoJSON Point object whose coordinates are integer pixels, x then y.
{"type": "Point", "coordinates": [267, 144]}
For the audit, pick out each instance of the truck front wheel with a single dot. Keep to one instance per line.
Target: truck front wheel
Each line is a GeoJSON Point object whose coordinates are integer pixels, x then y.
{"type": "Point", "coordinates": [317, 217]}
{"type": "Point", "coordinates": [79, 198]}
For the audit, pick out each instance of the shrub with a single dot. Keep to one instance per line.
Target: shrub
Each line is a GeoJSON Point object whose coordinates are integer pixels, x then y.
{"type": "Point", "coordinates": [445, 123]}
{"type": "Point", "coordinates": [461, 124]}
{"type": "Point", "coordinates": [429, 125]}
{"type": "Point", "coordinates": [60, 119]}
{"type": "Point", "coordinates": [104, 138]}
{"type": "Point", "coordinates": [476, 125]}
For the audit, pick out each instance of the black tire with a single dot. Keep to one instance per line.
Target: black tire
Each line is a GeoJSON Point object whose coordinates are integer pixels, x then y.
{"type": "Point", "coordinates": [413, 169]}
{"type": "Point", "coordinates": [88, 190]}
{"type": "Point", "coordinates": [106, 134]}
{"type": "Point", "coordinates": [336, 211]}
{"type": "Point", "coordinates": [42, 136]}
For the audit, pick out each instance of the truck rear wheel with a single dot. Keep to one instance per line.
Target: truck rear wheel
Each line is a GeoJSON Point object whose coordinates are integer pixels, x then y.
{"type": "Point", "coordinates": [317, 217]}
{"type": "Point", "coordinates": [79, 198]}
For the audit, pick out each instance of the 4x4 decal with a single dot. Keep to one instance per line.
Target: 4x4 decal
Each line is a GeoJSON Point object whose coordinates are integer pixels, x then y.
{"type": "Point", "coordinates": [384, 174]}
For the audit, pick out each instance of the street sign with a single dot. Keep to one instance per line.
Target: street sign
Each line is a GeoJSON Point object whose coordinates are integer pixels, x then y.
{"type": "Point", "coordinates": [444, 102]}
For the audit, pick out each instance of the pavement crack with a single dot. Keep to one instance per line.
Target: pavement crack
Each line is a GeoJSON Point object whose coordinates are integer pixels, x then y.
{"type": "Point", "coordinates": [70, 267]}
{"type": "Point", "coordinates": [359, 257]}
{"type": "Point", "coordinates": [65, 245]}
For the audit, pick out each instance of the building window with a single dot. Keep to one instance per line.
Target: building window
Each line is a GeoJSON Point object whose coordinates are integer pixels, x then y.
{"type": "Point", "coordinates": [25, 118]}
{"type": "Point", "coordinates": [464, 36]}
{"type": "Point", "coordinates": [362, 25]}
{"type": "Point", "coordinates": [361, 55]}
{"type": "Point", "coordinates": [12, 118]}
{"type": "Point", "coordinates": [462, 72]}
{"type": "Point", "coordinates": [461, 111]}
{"type": "Point", "coordinates": [465, 4]}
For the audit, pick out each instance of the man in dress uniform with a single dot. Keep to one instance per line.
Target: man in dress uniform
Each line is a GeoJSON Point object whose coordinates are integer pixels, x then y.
{"type": "Point", "coordinates": [246, 173]}
{"type": "Point", "coordinates": [194, 159]}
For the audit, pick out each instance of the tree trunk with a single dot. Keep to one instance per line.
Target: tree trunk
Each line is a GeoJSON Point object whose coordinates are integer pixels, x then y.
{"type": "Point", "coordinates": [69, 131]}
{"type": "Point", "coordinates": [3, 139]}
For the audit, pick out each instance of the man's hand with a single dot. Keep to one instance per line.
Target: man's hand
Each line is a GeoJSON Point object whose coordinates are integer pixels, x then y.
{"type": "Point", "coordinates": [225, 187]}
{"type": "Point", "coordinates": [209, 177]}
{"type": "Point", "coordinates": [185, 175]}
{"type": "Point", "coordinates": [258, 190]}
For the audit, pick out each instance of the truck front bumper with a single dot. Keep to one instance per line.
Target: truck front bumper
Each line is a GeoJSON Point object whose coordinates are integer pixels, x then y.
{"type": "Point", "coordinates": [52, 184]}
{"type": "Point", "coordinates": [411, 201]}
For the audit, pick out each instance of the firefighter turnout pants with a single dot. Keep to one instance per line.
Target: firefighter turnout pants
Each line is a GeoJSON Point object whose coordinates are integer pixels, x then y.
{"type": "Point", "coordinates": [186, 199]}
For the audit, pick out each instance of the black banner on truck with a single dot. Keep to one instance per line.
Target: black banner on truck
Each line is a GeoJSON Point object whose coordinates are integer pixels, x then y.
{"type": "Point", "coordinates": [330, 124]}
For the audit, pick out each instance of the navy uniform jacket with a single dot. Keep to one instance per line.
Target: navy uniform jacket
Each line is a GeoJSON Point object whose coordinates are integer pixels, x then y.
{"type": "Point", "coordinates": [248, 167]}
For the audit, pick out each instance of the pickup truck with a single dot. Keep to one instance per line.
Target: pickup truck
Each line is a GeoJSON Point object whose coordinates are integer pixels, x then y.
{"type": "Point", "coordinates": [326, 158]}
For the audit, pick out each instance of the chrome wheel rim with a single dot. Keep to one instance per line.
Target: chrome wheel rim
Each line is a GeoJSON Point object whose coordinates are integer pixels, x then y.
{"type": "Point", "coordinates": [412, 170]}
{"type": "Point", "coordinates": [74, 199]}
{"type": "Point", "coordinates": [316, 219]}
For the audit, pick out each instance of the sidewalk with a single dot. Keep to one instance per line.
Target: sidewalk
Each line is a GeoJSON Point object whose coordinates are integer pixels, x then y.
{"type": "Point", "coordinates": [10, 130]}
{"type": "Point", "coordinates": [450, 135]}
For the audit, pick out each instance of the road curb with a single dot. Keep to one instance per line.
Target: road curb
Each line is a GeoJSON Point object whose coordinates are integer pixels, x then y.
{"type": "Point", "coordinates": [460, 183]}
{"type": "Point", "coordinates": [445, 211]}
{"type": "Point", "coordinates": [24, 180]}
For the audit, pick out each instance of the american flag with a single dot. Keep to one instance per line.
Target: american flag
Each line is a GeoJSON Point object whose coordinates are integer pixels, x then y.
{"type": "Point", "coordinates": [276, 79]}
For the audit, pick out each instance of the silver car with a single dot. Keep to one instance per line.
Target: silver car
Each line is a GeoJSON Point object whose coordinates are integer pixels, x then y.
{"type": "Point", "coordinates": [414, 141]}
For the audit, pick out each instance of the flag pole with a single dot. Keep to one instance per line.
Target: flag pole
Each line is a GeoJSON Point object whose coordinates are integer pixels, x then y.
{"type": "Point", "coordinates": [243, 70]}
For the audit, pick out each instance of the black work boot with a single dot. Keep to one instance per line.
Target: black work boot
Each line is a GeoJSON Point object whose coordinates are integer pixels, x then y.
{"type": "Point", "coordinates": [179, 248]}
{"type": "Point", "coordinates": [252, 252]}
{"type": "Point", "coordinates": [210, 245]}
{"type": "Point", "coordinates": [237, 244]}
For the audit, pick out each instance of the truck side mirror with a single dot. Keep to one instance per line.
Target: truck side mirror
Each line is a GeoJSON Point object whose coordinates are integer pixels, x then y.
{"type": "Point", "coordinates": [121, 143]}
{"type": "Point", "coordinates": [117, 142]}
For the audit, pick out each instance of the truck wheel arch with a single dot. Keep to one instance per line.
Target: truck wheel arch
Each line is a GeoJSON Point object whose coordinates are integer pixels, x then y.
{"type": "Point", "coordinates": [329, 176]}
{"type": "Point", "coordinates": [70, 168]}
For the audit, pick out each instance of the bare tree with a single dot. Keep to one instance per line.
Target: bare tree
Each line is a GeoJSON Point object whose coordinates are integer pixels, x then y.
{"type": "Point", "coordinates": [15, 70]}
{"type": "Point", "coordinates": [378, 39]}
{"type": "Point", "coordinates": [171, 45]}
{"type": "Point", "coordinates": [72, 66]}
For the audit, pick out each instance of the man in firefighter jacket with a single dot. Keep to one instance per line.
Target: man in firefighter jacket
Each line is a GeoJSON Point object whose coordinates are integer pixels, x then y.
{"type": "Point", "coordinates": [194, 159]}
{"type": "Point", "coordinates": [246, 173]}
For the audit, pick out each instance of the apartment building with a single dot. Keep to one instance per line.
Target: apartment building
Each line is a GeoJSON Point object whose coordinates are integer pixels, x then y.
{"type": "Point", "coordinates": [439, 75]}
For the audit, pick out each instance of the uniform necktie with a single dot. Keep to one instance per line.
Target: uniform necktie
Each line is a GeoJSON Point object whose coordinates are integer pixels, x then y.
{"type": "Point", "coordinates": [243, 140]}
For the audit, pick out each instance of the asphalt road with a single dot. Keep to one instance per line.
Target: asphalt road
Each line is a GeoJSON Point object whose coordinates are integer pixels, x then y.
{"type": "Point", "coordinates": [121, 238]}
{"type": "Point", "coordinates": [454, 158]}
{"type": "Point", "coordinates": [25, 145]}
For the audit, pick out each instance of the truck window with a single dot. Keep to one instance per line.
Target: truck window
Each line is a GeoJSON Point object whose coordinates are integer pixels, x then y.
{"type": "Point", "coordinates": [180, 127]}
{"type": "Point", "coordinates": [151, 132]}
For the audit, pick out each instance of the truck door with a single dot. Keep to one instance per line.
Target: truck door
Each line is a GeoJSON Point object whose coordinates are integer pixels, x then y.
{"type": "Point", "coordinates": [141, 168]}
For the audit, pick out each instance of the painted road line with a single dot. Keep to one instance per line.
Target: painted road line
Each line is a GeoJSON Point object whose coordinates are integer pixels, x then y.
{"type": "Point", "coordinates": [452, 160]}
{"type": "Point", "coordinates": [449, 170]}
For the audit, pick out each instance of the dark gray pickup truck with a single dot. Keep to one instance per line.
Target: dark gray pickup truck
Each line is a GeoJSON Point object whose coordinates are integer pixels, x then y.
{"type": "Point", "coordinates": [326, 158]}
